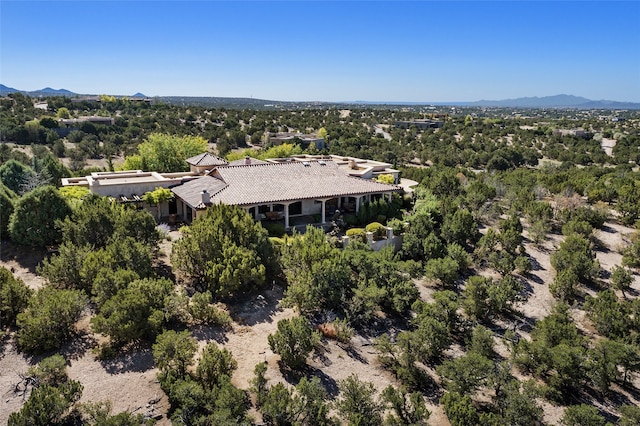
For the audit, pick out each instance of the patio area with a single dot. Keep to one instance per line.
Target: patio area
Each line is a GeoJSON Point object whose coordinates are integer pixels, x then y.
{"type": "Point", "coordinates": [300, 223]}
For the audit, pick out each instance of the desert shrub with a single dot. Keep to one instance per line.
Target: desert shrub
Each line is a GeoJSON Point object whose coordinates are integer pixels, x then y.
{"type": "Point", "coordinates": [224, 251]}
{"type": "Point", "coordinates": [582, 415]}
{"type": "Point", "coordinates": [49, 319]}
{"type": "Point", "coordinates": [595, 217]}
{"type": "Point", "coordinates": [459, 409]}
{"type": "Point", "coordinates": [7, 199]}
{"type": "Point", "coordinates": [293, 341]}
{"type": "Point", "coordinates": [14, 297]}
{"type": "Point", "coordinates": [33, 221]}
{"type": "Point", "coordinates": [357, 403]}
{"type": "Point", "coordinates": [47, 405]}
{"type": "Point", "coordinates": [173, 351]}
{"type": "Point", "coordinates": [580, 227]}
{"type": "Point", "coordinates": [203, 311]}
{"type": "Point", "coordinates": [135, 312]}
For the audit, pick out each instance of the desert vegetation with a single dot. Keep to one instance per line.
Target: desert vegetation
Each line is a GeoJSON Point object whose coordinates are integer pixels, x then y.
{"type": "Point", "coordinates": [514, 298]}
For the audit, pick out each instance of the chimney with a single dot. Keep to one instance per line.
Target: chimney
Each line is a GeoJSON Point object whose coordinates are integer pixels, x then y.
{"type": "Point", "coordinates": [206, 198]}
{"type": "Point", "coordinates": [247, 160]}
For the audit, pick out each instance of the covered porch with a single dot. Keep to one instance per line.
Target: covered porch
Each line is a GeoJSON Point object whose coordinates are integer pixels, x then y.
{"type": "Point", "coordinates": [323, 208]}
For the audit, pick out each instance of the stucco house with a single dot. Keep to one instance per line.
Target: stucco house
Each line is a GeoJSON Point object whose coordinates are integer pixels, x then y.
{"type": "Point", "coordinates": [280, 190]}
{"type": "Point", "coordinates": [129, 186]}
{"type": "Point", "coordinates": [276, 189]}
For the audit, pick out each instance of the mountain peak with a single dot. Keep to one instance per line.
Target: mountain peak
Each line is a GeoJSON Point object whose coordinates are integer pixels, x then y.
{"type": "Point", "coordinates": [555, 101]}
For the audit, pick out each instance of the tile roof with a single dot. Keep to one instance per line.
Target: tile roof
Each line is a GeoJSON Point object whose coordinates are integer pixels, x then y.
{"type": "Point", "coordinates": [206, 159]}
{"type": "Point", "coordinates": [278, 182]}
{"type": "Point", "coordinates": [190, 191]}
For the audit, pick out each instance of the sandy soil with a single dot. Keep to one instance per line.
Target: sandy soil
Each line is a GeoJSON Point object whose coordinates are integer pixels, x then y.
{"type": "Point", "coordinates": [607, 146]}
{"type": "Point", "coordinates": [129, 381]}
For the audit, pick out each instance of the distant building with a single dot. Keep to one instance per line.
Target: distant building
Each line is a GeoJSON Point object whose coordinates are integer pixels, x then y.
{"type": "Point", "coordinates": [68, 125]}
{"type": "Point", "coordinates": [204, 162]}
{"type": "Point", "coordinates": [86, 99]}
{"type": "Point", "coordinates": [302, 139]}
{"type": "Point", "coordinates": [73, 122]}
{"type": "Point", "coordinates": [419, 124]}
{"type": "Point", "coordinates": [580, 133]}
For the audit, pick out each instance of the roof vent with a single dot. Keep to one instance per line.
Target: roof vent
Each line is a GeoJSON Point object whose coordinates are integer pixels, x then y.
{"type": "Point", "coordinates": [306, 163]}
{"type": "Point", "coordinates": [322, 163]}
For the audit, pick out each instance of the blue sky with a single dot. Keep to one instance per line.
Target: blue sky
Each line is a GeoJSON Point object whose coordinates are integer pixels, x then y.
{"type": "Point", "coordinates": [329, 51]}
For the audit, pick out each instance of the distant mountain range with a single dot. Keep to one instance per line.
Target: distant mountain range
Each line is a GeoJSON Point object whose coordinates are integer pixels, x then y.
{"type": "Point", "coordinates": [557, 101]}
{"type": "Point", "coordinates": [48, 91]}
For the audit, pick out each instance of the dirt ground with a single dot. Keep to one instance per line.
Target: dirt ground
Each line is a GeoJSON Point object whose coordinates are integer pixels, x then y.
{"type": "Point", "coordinates": [129, 381]}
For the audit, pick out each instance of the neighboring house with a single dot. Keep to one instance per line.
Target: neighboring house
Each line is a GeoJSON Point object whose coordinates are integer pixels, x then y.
{"type": "Point", "coordinates": [302, 139]}
{"type": "Point", "coordinates": [204, 162]}
{"type": "Point", "coordinates": [580, 133]}
{"type": "Point", "coordinates": [280, 190]}
{"type": "Point", "coordinates": [419, 124]}
{"type": "Point", "coordinates": [73, 122]}
{"type": "Point", "coordinates": [85, 99]}
{"type": "Point", "coordinates": [68, 125]}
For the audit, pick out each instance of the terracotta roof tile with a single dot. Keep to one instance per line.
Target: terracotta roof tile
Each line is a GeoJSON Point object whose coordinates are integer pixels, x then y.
{"type": "Point", "coordinates": [190, 191]}
{"type": "Point", "coordinates": [206, 159]}
{"type": "Point", "coordinates": [278, 182]}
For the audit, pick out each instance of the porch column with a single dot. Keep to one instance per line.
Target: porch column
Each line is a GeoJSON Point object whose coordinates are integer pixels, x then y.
{"type": "Point", "coordinates": [357, 204]}
{"type": "Point", "coordinates": [286, 216]}
{"type": "Point", "coordinates": [322, 214]}
{"type": "Point", "coordinates": [340, 203]}
{"type": "Point", "coordinates": [256, 214]}
{"type": "Point", "coordinates": [390, 196]}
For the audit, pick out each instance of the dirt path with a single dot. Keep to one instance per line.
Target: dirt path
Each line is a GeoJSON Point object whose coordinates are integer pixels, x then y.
{"type": "Point", "coordinates": [23, 262]}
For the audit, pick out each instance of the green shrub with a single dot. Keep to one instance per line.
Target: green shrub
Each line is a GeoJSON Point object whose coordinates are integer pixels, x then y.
{"type": "Point", "coordinates": [357, 234]}
{"type": "Point", "coordinates": [351, 220]}
{"type": "Point", "coordinates": [294, 341]}
{"type": "Point", "coordinates": [274, 229]}
{"type": "Point", "coordinates": [397, 225]}
{"type": "Point", "coordinates": [276, 241]}
{"type": "Point", "coordinates": [377, 228]}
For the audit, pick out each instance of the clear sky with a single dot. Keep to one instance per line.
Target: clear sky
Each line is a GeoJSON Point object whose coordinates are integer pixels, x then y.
{"type": "Point", "coordinates": [327, 51]}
